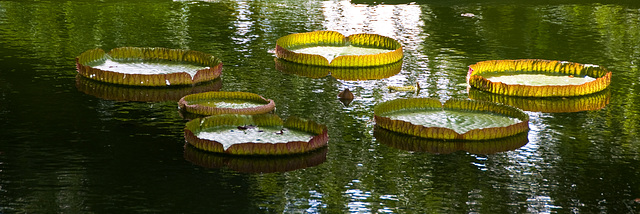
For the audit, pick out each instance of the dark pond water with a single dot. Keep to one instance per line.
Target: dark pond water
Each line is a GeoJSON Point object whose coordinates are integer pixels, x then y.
{"type": "Point", "coordinates": [68, 146]}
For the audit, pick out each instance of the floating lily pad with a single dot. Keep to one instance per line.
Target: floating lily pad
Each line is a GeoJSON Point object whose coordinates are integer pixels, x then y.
{"type": "Point", "coordinates": [414, 143]}
{"type": "Point", "coordinates": [330, 48]}
{"type": "Point", "coordinates": [253, 164]}
{"type": "Point", "coordinates": [141, 94]}
{"type": "Point", "coordinates": [349, 74]}
{"type": "Point", "coordinates": [587, 102]}
{"type": "Point", "coordinates": [538, 78]}
{"type": "Point", "coordinates": [148, 66]}
{"type": "Point", "coordinates": [210, 103]}
{"type": "Point", "coordinates": [264, 134]}
{"type": "Point", "coordinates": [456, 119]}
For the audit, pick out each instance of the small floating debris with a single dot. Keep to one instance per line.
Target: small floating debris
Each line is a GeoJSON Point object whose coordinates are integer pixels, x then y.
{"type": "Point", "coordinates": [405, 88]}
{"type": "Point", "coordinates": [345, 94]}
{"type": "Point", "coordinates": [467, 15]}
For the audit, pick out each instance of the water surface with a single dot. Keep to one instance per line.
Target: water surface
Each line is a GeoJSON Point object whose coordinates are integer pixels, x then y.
{"type": "Point", "coordinates": [65, 151]}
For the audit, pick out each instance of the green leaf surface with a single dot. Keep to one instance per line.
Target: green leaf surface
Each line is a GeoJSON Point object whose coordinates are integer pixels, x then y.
{"type": "Point", "coordinates": [229, 135]}
{"type": "Point", "coordinates": [460, 121]}
{"type": "Point", "coordinates": [148, 67]}
{"type": "Point", "coordinates": [331, 52]}
{"type": "Point", "coordinates": [538, 79]}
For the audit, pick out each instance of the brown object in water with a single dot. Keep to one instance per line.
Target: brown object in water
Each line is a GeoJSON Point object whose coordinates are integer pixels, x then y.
{"type": "Point", "coordinates": [346, 94]}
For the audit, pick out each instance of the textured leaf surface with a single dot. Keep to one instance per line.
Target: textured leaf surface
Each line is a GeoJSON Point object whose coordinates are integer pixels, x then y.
{"type": "Point", "coordinates": [459, 121]}
{"type": "Point", "coordinates": [331, 52]}
{"type": "Point", "coordinates": [428, 118]}
{"type": "Point", "coordinates": [148, 66]}
{"type": "Point", "coordinates": [264, 134]}
{"type": "Point", "coordinates": [230, 135]}
{"type": "Point", "coordinates": [478, 72]}
{"type": "Point", "coordinates": [307, 48]}
{"type": "Point", "coordinates": [210, 103]}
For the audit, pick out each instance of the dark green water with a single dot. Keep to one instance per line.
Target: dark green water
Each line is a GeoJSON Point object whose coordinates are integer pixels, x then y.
{"type": "Point", "coordinates": [67, 149]}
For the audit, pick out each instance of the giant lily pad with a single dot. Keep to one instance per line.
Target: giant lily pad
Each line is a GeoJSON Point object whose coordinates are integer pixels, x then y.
{"type": "Point", "coordinates": [148, 66]}
{"type": "Point", "coordinates": [210, 103]}
{"type": "Point", "coordinates": [330, 48]}
{"type": "Point", "coordinates": [418, 144]}
{"type": "Point", "coordinates": [141, 94]}
{"type": "Point", "coordinates": [587, 102]}
{"type": "Point", "coordinates": [264, 134]}
{"type": "Point", "coordinates": [350, 74]}
{"type": "Point", "coordinates": [255, 164]}
{"type": "Point", "coordinates": [538, 78]}
{"type": "Point", "coordinates": [455, 120]}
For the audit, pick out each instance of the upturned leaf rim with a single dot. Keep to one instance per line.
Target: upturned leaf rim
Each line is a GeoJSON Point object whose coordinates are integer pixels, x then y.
{"type": "Point", "coordinates": [409, 128]}
{"type": "Point", "coordinates": [212, 71]}
{"type": "Point", "coordinates": [285, 45]}
{"type": "Point", "coordinates": [475, 80]}
{"type": "Point", "coordinates": [320, 138]}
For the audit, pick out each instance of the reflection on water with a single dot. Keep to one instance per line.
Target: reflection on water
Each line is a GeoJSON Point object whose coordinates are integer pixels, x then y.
{"type": "Point", "coordinates": [255, 164]}
{"type": "Point", "coordinates": [412, 143]}
{"type": "Point", "coordinates": [65, 151]}
{"type": "Point", "coordinates": [142, 94]}
{"type": "Point", "coordinates": [588, 102]}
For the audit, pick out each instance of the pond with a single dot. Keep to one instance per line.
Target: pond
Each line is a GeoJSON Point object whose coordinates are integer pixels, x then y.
{"type": "Point", "coordinates": [68, 146]}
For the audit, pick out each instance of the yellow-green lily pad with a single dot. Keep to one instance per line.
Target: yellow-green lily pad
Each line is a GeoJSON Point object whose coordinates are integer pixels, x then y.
{"type": "Point", "coordinates": [223, 102]}
{"type": "Point", "coordinates": [453, 120]}
{"type": "Point", "coordinates": [332, 49]}
{"type": "Point", "coordinates": [538, 78]}
{"type": "Point", "coordinates": [148, 66]}
{"type": "Point", "coordinates": [264, 134]}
